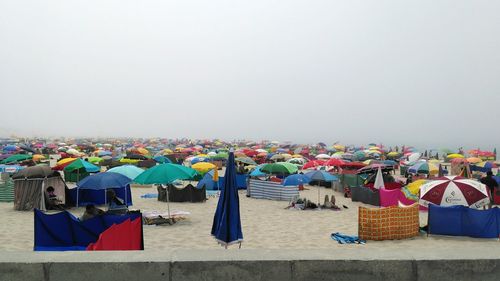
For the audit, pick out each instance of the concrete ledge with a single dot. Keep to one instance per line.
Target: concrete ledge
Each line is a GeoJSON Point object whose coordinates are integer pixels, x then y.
{"type": "Point", "coordinates": [346, 264]}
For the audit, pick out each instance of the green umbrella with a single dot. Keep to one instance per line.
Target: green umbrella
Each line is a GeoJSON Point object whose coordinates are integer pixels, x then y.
{"type": "Point", "coordinates": [165, 174]}
{"type": "Point", "coordinates": [279, 168]}
{"type": "Point", "coordinates": [245, 160]}
{"type": "Point", "coordinates": [94, 159]}
{"type": "Point", "coordinates": [220, 155]}
{"type": "Point", "coordinates": [16, 158]}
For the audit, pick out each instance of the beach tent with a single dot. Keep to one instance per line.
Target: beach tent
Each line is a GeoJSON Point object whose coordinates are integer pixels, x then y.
{"type": "Point", "coordinates": [188, 193]}
{"type": "Point", "coordinates": [92, 189]}
{"type": "Point", "coordinates": [65, 232]}
{"type": "Point", "coordinates": [6, 187]}
{"type": "Point", "coordinates": [30, 185]}
{"type": "Point", "coordinates": [78, 170]}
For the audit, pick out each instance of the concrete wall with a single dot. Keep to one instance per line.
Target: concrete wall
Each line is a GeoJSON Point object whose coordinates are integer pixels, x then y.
{"type": "Point", "coordinates": [247, 265]}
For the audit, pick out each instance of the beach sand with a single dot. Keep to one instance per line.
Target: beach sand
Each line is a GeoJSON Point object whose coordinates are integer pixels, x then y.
{"type": "Point", "coordinates": [266, 225]}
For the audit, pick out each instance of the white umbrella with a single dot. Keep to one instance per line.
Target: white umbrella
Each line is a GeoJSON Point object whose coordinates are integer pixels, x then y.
{"type": "Point", "coordinates": [323, 156]}
{"type": "Point", "coordinates": [379, 180]}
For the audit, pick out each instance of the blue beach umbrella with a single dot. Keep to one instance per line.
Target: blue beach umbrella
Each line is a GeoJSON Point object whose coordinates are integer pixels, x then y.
{"type": "Point", "coordinates": [257, 172]}
{"type": "Point", "coordinates": [321, 176]}
{"type": "Point", "coordinates": [226, 227]}
{"type": "Point", "coordinates": [296, 179]}
{"type": "Point", "coordinates": [162, 159]}
{"type": "Point", "coordinates": [103, 181]}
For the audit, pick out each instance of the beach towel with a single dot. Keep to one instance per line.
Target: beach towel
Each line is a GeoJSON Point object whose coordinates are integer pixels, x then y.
{"type": "Point", "coordinates": [346, 239]}
{"type": "Point", "coordinates": [150, 195]}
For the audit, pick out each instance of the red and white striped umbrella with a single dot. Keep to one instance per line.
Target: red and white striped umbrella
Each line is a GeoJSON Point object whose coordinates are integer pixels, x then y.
{"type": "Point", "coordinates": [454, 191]}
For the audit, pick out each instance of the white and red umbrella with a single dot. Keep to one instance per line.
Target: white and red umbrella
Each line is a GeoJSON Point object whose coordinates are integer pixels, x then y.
{"type": "Point", "coordinates": [454, 191]}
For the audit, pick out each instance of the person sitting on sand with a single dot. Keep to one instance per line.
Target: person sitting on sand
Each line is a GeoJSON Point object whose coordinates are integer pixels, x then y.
{"type": "Point", "coordinates": [115, 204]}
{"type": "Point", "coordinates": [53, 203]}
{"type": "Point", "coordinates": [90, 212]}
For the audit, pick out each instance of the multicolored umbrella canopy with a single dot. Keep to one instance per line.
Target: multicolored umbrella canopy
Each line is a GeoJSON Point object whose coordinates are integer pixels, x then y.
{"type": "Point", "coordinates": [279, 168]}
{"type": "Point", "coordinates": [454, 191]}
{"type": "Point", "coordinates": [424, 167]}
{"type": "Point", "coordinates": [484, 166]}
{"type": "Point", "coordinates": [321, 176]}
{"type": "Point", "coordinates": [81, 164]}
{"type": "Point", "coordinates": [129, 171]}
{"type": "Point", "coordinates": [165, 174]}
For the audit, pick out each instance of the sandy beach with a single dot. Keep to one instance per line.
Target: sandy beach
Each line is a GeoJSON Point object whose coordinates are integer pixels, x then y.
{"type": "Point", "coordinates": [266, 225]}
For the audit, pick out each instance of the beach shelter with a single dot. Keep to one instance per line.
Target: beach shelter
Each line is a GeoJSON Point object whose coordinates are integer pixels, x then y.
{"type": "Point", "coordinates": [78, 170]}
{"type": "Point", "coordinates": [226, 227]}
{"type": "Point", "coordinates": [424, 167]}
{"type": "Point", "coordinates": [454, 191]}
{"type": "Point", "coordinates": [63, 231]}
{"type": "Point", "coordinates": [6, 183]}
{"type": "Point", "coordinates": [30, 185]}
{"type": "Point", "coordinates": [129, 171]}
{"type": "Point", "coordinates": [99, 183]}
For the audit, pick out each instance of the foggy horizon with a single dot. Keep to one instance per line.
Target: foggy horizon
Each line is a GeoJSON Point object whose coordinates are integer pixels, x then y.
{"type": "Point", "coordinates": [418, 73]}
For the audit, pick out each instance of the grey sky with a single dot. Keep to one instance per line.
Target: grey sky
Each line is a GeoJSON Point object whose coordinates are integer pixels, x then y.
{"type": "Point", "coordinates": [415, 72]}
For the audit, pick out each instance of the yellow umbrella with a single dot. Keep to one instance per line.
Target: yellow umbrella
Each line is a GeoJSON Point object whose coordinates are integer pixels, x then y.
{"type": "Point", "coordinates": [297, 156]}
{"type": "Point", "coordinates": [414, 187]}
{"type": "Point", "coordinates": [38, 157]}
{"type": "Point", "coordinates": [203, 167]}
{"type": "Point", "coordinates": [65, 160]}
{"type": "Point", "coordinates": [215, 178]}
{"type": "Point", "coordinates": [454, 156]}
{"type": "Point", "coordinates": [129, 161]}
{"type": "Point", "coordinates": [142, 151]}
{"type": "Point", "coordinates": [393, 154]}
{"type": "Point", "coordinates": [339, 147]}
{"type": "Point", "coordinates": [167, 151]}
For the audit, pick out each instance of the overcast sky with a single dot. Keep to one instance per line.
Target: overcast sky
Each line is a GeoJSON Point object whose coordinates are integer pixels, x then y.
{"type": "Point", "coordinates": [412, 72]}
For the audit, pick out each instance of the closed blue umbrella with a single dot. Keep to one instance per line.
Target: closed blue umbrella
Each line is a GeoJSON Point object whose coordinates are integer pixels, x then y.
{"type": "Point", "coordinates": [296, 179]}
{"type": "Point", "coordinates": [226, 227]}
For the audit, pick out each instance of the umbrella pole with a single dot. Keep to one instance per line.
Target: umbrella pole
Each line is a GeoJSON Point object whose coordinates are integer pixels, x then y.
{"type": "Point", "coordinates": [319, 198]}
{"type": "Point", "coordinates": [168, 206]}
